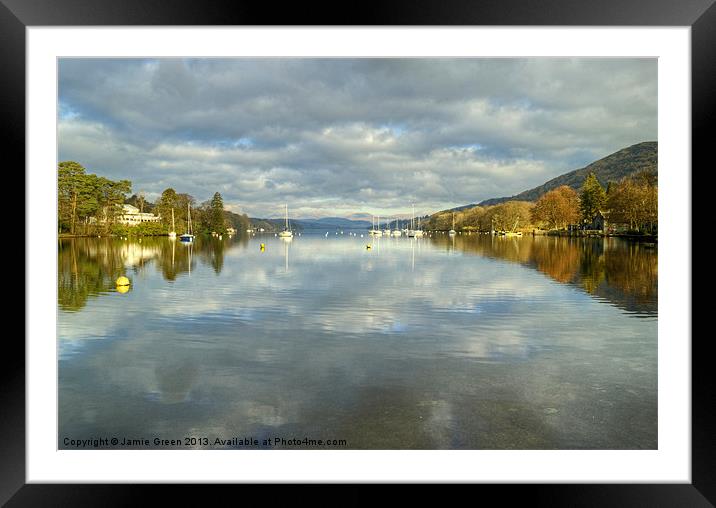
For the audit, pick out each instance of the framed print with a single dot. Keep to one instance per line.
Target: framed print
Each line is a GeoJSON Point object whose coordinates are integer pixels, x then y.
{"type": "Point", "coordinates": [422, 249]}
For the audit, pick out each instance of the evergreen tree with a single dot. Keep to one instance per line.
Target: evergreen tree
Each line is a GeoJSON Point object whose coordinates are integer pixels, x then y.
{"type": "Point", "coordinates": [167, 202]}
{"type": "Point", "coordinates": [592, 198]}
{"type": "Point", "coordinates": [216, 214]}
{"type": "Point", "coordinates": [70, 183]}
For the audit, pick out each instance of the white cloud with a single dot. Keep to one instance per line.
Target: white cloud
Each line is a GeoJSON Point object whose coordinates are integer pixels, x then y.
{"type": "Point", "coordinates": [334, 137]}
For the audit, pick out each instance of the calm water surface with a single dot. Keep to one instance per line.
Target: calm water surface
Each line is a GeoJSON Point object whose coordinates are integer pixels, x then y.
{"type": "Point", "coordinates": [468, 342]}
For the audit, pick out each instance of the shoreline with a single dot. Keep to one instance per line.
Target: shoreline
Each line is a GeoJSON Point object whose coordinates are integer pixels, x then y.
{"type": "Point", "coordinates": [579, 234]}
{"type": "Point", "coordinates": [574, 234]}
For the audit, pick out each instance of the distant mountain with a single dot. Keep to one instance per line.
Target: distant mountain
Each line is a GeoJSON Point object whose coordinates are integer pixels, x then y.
{"type": "Point", "coordinates": [333, 222]}
{"type": "Point", "coordinates": [614, 167]}
{"type": "Point", "coordinates": [273, 225]}
{"type": "Point", "coordinates": [360, 216]}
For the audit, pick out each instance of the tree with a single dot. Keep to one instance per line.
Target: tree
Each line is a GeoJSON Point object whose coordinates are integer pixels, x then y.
{"type": "Point", "coordinates": [70, 181]}
{"type": "Point", "coordinates": [591, 198]}
{"type": "Point", "coordinates": [634, 201]}
{"type": "Point", "coordinates": [183, 201]}
{"type": "Point", "coordinates": [87, 196]}
{"type": "Point", "coordinates": [216, 214]}
{"type": "Point", "coordinates": [513, 214]}
{"type": "Point", "coordinates": [240, 222]}
{"type": "Point", "coordinates": [140, 201]}
{"type": "Point", "coordinates": [557, 208]}
{"type": "Point", "coordinates": [110, 197]}
{"type": "Point", "coordinates": [167, 202]}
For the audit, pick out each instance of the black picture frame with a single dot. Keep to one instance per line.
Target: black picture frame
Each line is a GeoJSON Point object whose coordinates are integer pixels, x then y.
{"type": "Point", "coordinates": [16, 15]}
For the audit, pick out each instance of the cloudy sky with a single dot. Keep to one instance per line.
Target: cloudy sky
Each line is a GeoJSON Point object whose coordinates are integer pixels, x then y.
{"type": "Point", "coordinates": [335, 137]}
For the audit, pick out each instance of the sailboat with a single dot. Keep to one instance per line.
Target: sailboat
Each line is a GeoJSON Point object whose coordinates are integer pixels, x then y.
{"type": "Point", "coordinates": [173, 232]}
{"type": "Point", "coordinates": [396, 231]}
{"type": "Point", "coordinates": [452, 231]}
{"type": "Point", "coordinates": [188, 237]}
{"type": "Point", "coordinates": [415, 232]}
{"type": "Point", "coordinates": [513, 232]}
{"type": "Point", "coordinates": [286, 233]}
{"type": "Point", "coordinates": [386, 231]}
{"type": "Point", "coordinates": [376, 231]}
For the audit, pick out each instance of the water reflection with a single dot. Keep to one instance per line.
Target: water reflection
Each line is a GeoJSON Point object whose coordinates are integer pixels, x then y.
{"type": "Point", "coordinates": [89, 266]}
{"type": "Point", "coordinates": [439, 342]}
{"type": "Point", "coordinates": [286, 241]}
{"type": "Point", "coordinates": [624, 273]}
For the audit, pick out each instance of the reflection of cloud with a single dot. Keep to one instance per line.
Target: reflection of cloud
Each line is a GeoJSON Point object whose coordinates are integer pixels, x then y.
{"type": "Point", "coordinates": [451, 354]}
{"type": "Point", "coordinates": [439, 422]}
{"type": "Point", "coordinates": [175, 380]}
{"type": "Point", "coordinates": [495, 344]}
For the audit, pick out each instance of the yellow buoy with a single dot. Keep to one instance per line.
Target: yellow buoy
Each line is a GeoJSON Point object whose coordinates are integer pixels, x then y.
{"type": "Point", "coordinates": [122, 289]}
{"type": "Point", "coordinates": [263, 247]}
{"type": "Point", "coordinates": [367, 247]}
{"type": "Point", "coordinates": [122, 281]}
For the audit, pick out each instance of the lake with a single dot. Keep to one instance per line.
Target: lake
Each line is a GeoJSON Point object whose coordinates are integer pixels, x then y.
{"type": "Point", "coordinates": [470, 342]}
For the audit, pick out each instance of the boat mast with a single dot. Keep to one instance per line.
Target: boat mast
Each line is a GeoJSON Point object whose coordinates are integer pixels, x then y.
{"type": "Point", "coordinates": [173, 229]}
{"type": "Point", "coordinates": [286, 228]}
{"type": "Point", "coordinates": [188, 214]}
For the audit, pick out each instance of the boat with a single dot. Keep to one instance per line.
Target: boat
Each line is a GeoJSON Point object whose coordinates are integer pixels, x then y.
{"type": "Point", "coordinates": [513, 232]}
{"type": "Point", "coordinates": [373, 231]}
{"type": "Point", "coordinates": [396, 231]}
{"type": "Point", "coordinates": [173, 232]}
{"type": "Point", "coordinates": [452, 232]}
{"type": "Point", "coordinates": [386, 231]}
{"type": "Point", "coordinates": [188, 237]}
{"type": "Point", "coordinates": [286, 233]}
{"type": "Point", "coordinates": [414, 233]}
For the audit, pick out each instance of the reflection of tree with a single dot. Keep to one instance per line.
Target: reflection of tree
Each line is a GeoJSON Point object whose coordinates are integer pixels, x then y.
{"type": "Point", "coordinates": [212, 253]}
{"type": "Point", "coordinates": [633, 269]}
{"type": "Point", "coordinates": [621, 272]}
{"type": "Point", "coordinates": [89, 266]}
{"type": "Point", "coordinates": [174, 259]}
{"type": "Point", "coordinates": [592, 269]}
{"type": "Point", "coordinates": [501, 247]}
{"type": "Point", "coordinates": [557, 257]}
{"type": "Point", "coordinates": [85, 267]}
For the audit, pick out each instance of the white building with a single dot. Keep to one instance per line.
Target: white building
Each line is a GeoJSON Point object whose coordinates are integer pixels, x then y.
{"type": "Point", "coordinates": [132, 216]}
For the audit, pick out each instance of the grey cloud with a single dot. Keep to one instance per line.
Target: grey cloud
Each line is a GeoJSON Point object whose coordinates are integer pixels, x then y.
{"type": "Point", "coordinates": [356, 135]}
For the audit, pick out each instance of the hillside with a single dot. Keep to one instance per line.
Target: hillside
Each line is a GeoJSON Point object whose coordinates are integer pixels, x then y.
{"type": "Point", "coordinates": [333, 223]}
{"type": "Point", "coordinates": [614, 167]}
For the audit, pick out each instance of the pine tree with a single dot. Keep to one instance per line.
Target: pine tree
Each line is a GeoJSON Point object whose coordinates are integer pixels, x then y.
{"type": "Point", "coordinates": [70, 179]}
{"type": "Point", "coordinates": [167, 202]}
{"type": "Point", "coordinates": [216, 217]}
{"type": "Point", "coordinates": [592, 198]}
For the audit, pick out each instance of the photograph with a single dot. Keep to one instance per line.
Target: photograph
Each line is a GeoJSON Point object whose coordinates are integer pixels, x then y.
{"type": "Point", "coordinates": [357, 253]}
